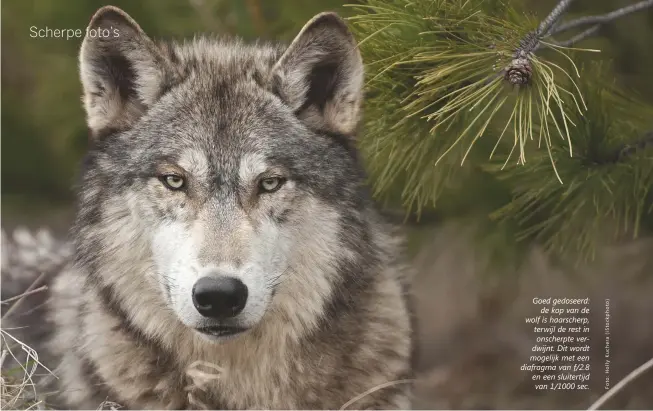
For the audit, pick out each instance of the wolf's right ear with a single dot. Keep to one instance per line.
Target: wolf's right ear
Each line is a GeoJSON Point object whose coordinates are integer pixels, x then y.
{"type": "Point", "coordinates": [122, 71]}
{"type": "Point", "coordinates": [320, 76]}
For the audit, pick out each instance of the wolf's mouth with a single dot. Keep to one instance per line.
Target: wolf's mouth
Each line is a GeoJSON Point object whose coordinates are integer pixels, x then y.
{"type": "Point", "coordinates": [221, 331]}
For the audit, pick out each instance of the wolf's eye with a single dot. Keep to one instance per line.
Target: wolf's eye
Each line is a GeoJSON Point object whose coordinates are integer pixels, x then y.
{"type": "Point", "coordinates": [173, 181]}
{"type": "Point", "coordinates": [271, 184]}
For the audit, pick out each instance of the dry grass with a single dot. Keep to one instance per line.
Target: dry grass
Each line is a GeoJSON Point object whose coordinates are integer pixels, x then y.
{"type": "Point", "coordinates": [373, 390]}
{"type": "Point", "coordinates": [109, 405]}
{"type": "Point", "coordinates": [622, 384]}
{"type": "Point", "coordinates": [17, 387]}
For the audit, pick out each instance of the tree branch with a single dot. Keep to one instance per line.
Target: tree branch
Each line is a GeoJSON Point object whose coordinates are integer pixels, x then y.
{"type": "Point", "coordinates": [553, 17]}
{"type": "Point", "coordinates": [579, 37]}
{"type": "Point", "coordinates": [520, 66]}
{"type": "Point", "coordinates": [518, 72]}
{"type": "Point", "coordinates": [601, 19]}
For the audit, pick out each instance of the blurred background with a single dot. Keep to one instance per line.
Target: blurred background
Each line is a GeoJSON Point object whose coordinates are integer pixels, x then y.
{"type": "Point", "coordinates": [472, 333]}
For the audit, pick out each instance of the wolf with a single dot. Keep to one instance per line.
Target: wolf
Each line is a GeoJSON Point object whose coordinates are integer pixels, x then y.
{"type": "Point", "coordinates": [226, 251]}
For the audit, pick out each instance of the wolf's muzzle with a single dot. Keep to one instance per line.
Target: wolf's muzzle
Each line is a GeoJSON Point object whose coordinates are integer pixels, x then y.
{"type": "Point", "coordinates": [219, 297]}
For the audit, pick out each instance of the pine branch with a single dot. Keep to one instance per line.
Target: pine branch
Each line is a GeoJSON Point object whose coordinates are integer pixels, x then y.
{"type": "Point", "coordinates": [531, 42]}
{"type": "Point", "coordinates": [579, 37]}
{"type": "Point", "coordinates": [551, 26]}
{"type": "Point", "coordinates": [553, 17]}
{"type": "Point", "coordinates": [598, 22]}
{"type": "Point", "coordinates": [602, 19]}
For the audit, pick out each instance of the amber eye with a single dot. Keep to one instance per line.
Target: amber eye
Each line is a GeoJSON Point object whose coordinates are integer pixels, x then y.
{"type": "Point", "coordinates": [270, 184]}
{"type": "Point", "coordinates": [173, 181]}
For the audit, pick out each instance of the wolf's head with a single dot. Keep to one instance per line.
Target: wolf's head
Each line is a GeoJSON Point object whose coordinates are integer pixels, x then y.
{"type": "Point", "coordinates": [221, 182]}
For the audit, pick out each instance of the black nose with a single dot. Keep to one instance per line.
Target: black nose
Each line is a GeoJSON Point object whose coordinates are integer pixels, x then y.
{"type": "Point", "coordinates": [219, 297]}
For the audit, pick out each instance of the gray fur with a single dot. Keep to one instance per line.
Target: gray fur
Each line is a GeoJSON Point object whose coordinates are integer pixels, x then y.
{"type": "Point", "coordinates": [326, 317]}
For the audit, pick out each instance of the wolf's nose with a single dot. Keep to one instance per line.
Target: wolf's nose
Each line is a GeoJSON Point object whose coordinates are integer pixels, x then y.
{"type": "Point", "coordinates": [219, 297]}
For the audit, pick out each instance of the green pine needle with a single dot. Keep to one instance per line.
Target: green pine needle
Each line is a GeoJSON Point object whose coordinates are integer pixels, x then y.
{"type": "Point", "coordinates": [436, 78]}
{"type": "Point", "coordinates": [605, 193]}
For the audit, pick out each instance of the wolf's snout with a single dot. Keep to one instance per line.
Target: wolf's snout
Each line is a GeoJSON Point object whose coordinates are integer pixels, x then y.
{"type": "Point", "coordinates": [219, 297]}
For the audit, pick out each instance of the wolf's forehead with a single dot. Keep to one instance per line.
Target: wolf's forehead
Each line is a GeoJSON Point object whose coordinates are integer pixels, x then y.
{"type": "Point", "coordinates": [194, 161]}
{"type": "Point", "coordinates": [202, 164]}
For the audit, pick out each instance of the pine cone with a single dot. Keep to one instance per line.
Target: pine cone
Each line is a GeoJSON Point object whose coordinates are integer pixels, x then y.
{"type": "Point", "coordinates": [519, 72]}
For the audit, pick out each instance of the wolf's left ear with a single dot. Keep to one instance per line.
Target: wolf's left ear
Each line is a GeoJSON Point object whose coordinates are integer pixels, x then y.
{"type": "Point", "coordinates": [320, 76]}
{"type": "Point", "coordinates": [122, 71]}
